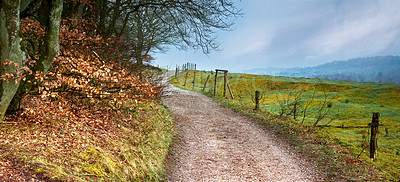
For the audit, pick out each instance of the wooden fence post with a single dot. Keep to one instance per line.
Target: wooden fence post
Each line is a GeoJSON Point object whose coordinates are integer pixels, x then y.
{"type": "Point", "coordinates": [176, 71]}
{"type": "Point", "coordinates": [230, 91]}
{"type": "Point", "coordinates": [374, 130]}
{"type": "Point", "coordinates": [206, 82]}
{"type": "Point", "coordinates": [225, 82]}
{"type": "Point", "coordinates": [257, 98]}
{"type": "Point", "coordinates": [187, 72]}
{"type": "Point", "coordinates": [215, 83]}
{"type": "Point", "coordinates": [194, 77]}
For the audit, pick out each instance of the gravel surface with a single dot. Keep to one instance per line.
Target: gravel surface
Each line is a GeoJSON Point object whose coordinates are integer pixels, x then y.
{"type": "Point", "coordinates": [216, 144]}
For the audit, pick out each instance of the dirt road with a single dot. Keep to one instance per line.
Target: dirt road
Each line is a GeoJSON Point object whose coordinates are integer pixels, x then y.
{"type": "Point", "coordinates": [217, 144]}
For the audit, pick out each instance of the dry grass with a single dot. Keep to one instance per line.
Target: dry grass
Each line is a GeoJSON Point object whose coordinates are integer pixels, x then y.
{"type": "Point", "coordinates": [88, 143]}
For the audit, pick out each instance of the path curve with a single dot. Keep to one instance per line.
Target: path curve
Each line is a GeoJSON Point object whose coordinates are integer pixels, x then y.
{"type": "Point", "coordinates": [216, 144]}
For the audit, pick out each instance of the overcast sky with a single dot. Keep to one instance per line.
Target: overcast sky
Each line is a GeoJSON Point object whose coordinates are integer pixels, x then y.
{"type": "Point", "coordinates": [299, 33]}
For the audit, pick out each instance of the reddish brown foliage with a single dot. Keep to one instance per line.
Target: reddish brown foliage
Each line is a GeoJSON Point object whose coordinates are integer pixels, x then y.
{"type": "Point", "coordinates": [87, 65]}
{"type": "Point", "coordinates": [85, 92]}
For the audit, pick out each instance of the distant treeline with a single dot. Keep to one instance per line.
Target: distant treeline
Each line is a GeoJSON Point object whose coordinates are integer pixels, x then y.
{"type": "Point", "coordinates": [379, 69]}
{"type": "Point", "coordinates": [389, 78]}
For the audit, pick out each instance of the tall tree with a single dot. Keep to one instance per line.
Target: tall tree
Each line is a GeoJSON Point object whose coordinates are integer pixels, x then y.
{"type": "Point", "coordinates": [11, 54]}
{"type": "Point", "coordinates": [13, 57]}
{"type": "Point", "coordinates": [195, 21]}
{"type": "Point", "coordinates": [148, 33]}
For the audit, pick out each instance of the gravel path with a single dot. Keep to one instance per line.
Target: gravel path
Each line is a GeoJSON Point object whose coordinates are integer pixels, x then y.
{"type": "Point", "coordinates": [216, 144]}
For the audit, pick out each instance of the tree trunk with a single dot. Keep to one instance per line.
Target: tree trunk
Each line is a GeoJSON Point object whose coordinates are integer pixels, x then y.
{"type": "Point", "coordinates": [139, 44]}
{"type": "Point", "coordinates": [139, 58]}
{"type": "Point", "coordinates": [48, 51]}
{"type": "Point", "coordinates": [116, 13]}
{"type": "Point", "coordinates": [10, 45]}
{"type": "Point", "coordinates": [52, 45]}
{"type": "Point", "coordinates": [101, 11]}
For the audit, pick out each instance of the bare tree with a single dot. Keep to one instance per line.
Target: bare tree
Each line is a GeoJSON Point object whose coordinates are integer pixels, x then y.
{"type": "Point", "coordinates": [324, 105]}
{"type": "Point", "coordinates": [295, 103]}
{"type": "Point", "coordinates": [290, 104]}
{"type": "Point", "coordinates": [182, 23]}
{"type": "Point", "coordinates": [305, 107]}
{"type": "Point", "coordinates": [149, 33]}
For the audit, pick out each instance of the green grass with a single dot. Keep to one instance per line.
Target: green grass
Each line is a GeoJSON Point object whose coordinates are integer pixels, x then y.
{"type": "Point", "coordinates": [351, 104]}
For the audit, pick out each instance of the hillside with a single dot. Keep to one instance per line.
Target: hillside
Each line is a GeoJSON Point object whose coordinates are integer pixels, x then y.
{"type": "Point", "coordinates": [338, 112]}
{"type": "Point", "coordinates": [380, 69]}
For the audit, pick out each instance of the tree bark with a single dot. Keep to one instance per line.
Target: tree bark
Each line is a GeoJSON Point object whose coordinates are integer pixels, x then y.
{"type": "Point", "coordinates": [48, 51]}
{"type": "Point", "coordinates": [101, 12]}
{"type": "Point", "coordinates": [115, 16]}
{"type": "Point", "coordinates": [52, 35]}
{"type": "Point", "coordinates": [10, 45]}
{"type": "Point", "coordinates": [139, 42]}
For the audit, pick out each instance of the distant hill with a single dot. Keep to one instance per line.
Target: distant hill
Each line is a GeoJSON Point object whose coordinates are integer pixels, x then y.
{"type": "Point", "coordinates": [264, 71]}
{"type": "Point", "coordinates": [380, 69]}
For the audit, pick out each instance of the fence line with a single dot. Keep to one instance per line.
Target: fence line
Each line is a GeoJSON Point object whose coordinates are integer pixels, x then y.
{"type": "Point", "coordinates": [257, 97]}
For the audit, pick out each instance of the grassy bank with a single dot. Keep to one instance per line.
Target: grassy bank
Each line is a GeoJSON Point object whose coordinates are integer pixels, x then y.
{"type": "Point", "coordinates": [89, 143]}
{"type": "Point", "coordinates": [345, 104]}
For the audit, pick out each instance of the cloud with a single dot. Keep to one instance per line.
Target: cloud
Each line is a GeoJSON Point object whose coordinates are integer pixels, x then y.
{"type": "Point", "coordinates": [358, 28]}
{"type": "Point", "coordinates": [285, 33]}
{"type": "Point", "coordinates": [250, 41]}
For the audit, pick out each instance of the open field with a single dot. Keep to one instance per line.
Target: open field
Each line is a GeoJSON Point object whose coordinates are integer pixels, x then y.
{"type": "Point", "coordinates": [323, 103]}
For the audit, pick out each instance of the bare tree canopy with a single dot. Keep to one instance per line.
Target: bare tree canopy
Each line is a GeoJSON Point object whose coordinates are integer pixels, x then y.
{"type": "Point", "coordinates": [182, 23]}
